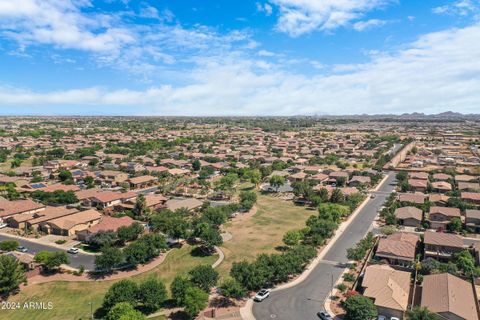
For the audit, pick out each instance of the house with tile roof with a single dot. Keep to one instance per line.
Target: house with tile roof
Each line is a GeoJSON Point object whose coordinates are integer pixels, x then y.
{"type": "Point", "coordinates": [448, 296]}
{"type": "Point", "coordinates": [388, 288]}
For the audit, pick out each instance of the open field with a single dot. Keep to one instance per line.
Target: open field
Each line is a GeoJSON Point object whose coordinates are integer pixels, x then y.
{"type": "Point", "coordinates": [71, 299]}
{"type": "Point", "coordinates": [262, 232]}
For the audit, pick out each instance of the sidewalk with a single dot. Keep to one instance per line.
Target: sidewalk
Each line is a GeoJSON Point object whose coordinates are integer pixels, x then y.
{"type": "Point", "coordinates": [246, 311]}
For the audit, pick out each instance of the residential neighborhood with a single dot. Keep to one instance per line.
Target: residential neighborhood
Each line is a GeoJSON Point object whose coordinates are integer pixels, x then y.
{"type": "Point", "coordinates": [80, 205]}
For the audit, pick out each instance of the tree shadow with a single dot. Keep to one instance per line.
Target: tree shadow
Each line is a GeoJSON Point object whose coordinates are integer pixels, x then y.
{"type": "Point", "coordinates": [179, 315]}
{"type": "Point", "coordinates": [200, 252]}
{"type": "Point", "coordinates": [221, 302]}
{"type": "Point", "coordinates": [282, 248]}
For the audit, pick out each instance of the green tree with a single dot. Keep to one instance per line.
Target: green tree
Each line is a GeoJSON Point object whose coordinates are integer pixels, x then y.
{"type": "Point", "coordinates": [337, 196]}
{"type": "Point", "coordinates": [419, 313]}
{"type": "Point", "coordinates": [231, 288]}
{"type": "Point", "coordinates": [12, 274]}
{"type": "Point", "coordinates": [140, 205]}
{"type": "Point", "coordinates": [171, 223]}
{"type": "Point", "coordinates": [248, 199]}
{"type": "Point", "coordinates": [51, 260]}
{"type": "Point", "coordinates": [196, 165]}
{"type": "Point", "coordinates": [455, 225]}
{"type": "Point", "coordinates": [359, 307]}
{"type": "Point", "coordinates": [129, 233]}
{"type": "Point", "coordinates": [195, 301]}
{"type": "Point", "coordinates": [15, 163]}
{"type": "Point", "coordinates": [122, 291]}
{"type": "Point", "coordinates": [9, 245]}
{"type": "Point", "coordinates": [65, 175]}
{"type": "Point", "coordinates": [152, 293]}
{"type": "Point", "coordinates": [124, 311]}
{"type": "Point", "coordinates": [210, 238]}
{"type": "Point", "coordinates": [255, 177]}
{"type": "Point", "coordinates": [292, 237]}
{"type": "Point", "coordinates": [465, 262]}
{"type": "Point", "coordinates": [204, 277]}
{"type": "Point", "coordinates": [276, 181]}
{"type": "Point", "coordinates": [179, 287]}
{"type": "Point", "coordinates": [109, 258]}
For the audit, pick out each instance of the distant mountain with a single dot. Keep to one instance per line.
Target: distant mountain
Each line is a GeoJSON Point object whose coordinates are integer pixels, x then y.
{"type": "Point", "coordinates": [443, 116]}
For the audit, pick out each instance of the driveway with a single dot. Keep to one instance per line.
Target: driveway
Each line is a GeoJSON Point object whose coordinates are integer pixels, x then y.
{"type": "Point", "coordinates": [76, 260]}
{"type": "Point", "coordinates": [307, 298]}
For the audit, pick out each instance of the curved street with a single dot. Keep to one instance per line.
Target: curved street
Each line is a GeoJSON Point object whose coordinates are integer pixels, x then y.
{"type": "Point", "coordinates": [76, 260]}
{"type": "Point", "coordinates": [304, 300]}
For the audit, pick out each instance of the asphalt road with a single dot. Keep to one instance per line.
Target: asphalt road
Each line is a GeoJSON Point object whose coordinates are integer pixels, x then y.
{"type": "Point", "coordinates": [307, 298]}
{"type": "Point", "coordinates": [76, 260]}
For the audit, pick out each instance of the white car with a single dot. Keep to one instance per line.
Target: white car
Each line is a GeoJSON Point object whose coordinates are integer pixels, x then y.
{"type": "Point", "coordinates": [73, 250]}
{"type": "Point", "coordinates": [261, 295]}
{"type": "Point", "coordinates": [3, 225]}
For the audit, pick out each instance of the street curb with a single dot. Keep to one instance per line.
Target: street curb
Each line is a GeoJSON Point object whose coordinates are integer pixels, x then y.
{"type": "Point", "coordinates": [246, 311]}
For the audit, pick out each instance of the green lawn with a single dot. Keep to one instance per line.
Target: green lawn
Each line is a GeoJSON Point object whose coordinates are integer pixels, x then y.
{"type": "Point", "coordinates": [262, 232]}
{"type": "Point", "coordinates": [71, 299]}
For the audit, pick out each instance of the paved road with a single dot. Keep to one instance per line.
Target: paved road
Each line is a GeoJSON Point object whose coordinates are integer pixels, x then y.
{"type": "Point", "coordinates": [75, 259]}
{"type": "Point", "coordinates": [306, 299]}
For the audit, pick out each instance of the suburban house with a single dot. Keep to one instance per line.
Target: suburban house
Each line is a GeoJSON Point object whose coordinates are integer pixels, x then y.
{"type": "Point", "coordinates": [438, 199]}
{"type": "Point", "coordinates": [472, 218]}
{"type": "Point", "coordinates": [142, 182]}
{"type": "Point", "coordinates": [107, 223]}
{"type": "Point", "coordinates": [398, 249]}
{"type": "Point", "coordinates": [440, 217]}
{"type": "Point", "coordinates": [441, 186]}
{"type": "Point", "coordinates": [472, 197]}
{"type": "Point", "coordinates": [153, 202]}
{"type": "Point", "coordinates": [415, 198]}
{"type": "Point", "coordinates": [449, 296]}
{"type": "Point", "coordinates": [409, 216]}
{"type": "Point", "coordinates": [442, 246]}
{"type": "Point", "coordinates": [189, 203]}
{"type": "Point", "coordinates": [111, 177]}
{"type": "Point", "coordinates": [69, 225]}
{"type": "Point", "coordinates": [35, 221]}
{"type": "Point", "coordinates": [357, 181]}
{"type": "Point", "coordinates": [389, 289]}
{"type": "Point", "coordinates": [106, 199]}
{"type": "Point", "coordinates": [11, 208]}
{"type": "Point", "coordinates": [418, 185]}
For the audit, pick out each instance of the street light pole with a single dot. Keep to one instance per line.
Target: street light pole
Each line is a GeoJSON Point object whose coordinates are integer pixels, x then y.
{"type": "Point", "coordinates": [91, 310]}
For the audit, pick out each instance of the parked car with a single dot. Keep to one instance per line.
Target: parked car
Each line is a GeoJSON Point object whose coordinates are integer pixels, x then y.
{"type": "Point", "coordinates": [373, 196]}
{"type": "Point", "coordinates": [22, 249]}
{"type": "Point", "coordinates": [381, 318]}
{"type": "Point", "coordinates": [3, 225]}
{"type": "Point", "coordinates": [261, 295]}
{"type": "Point", "coordinates": [73, 250]}
{"type": "Point", "coordinates": [324, 315]}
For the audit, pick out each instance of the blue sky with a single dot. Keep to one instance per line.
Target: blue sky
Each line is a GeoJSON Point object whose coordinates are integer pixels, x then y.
{"type": "Point", "coordinates": [224, 57]}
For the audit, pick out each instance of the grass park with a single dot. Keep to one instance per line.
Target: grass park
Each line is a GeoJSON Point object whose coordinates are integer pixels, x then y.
{"type": "Point", "coordinates": [71, 300]}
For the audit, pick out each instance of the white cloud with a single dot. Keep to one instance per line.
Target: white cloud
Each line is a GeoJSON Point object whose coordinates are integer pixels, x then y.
{"type": "Point", "coordinates": [363, 25]}
{"type": "Point", "coordinates": [115, 39]}
{"type": "Point", "coordinates": [266, 8]}
{"type": "Point", "coordinates": [60, 23]}
{"type": "Point", "coordinates": [265, 53]}
{"type": "Point", "coordinates": [460, 7]}
{"type": "Point", "coordinates": [440, 71]}
{"type": "Point", "coordinates": [298, 17]}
